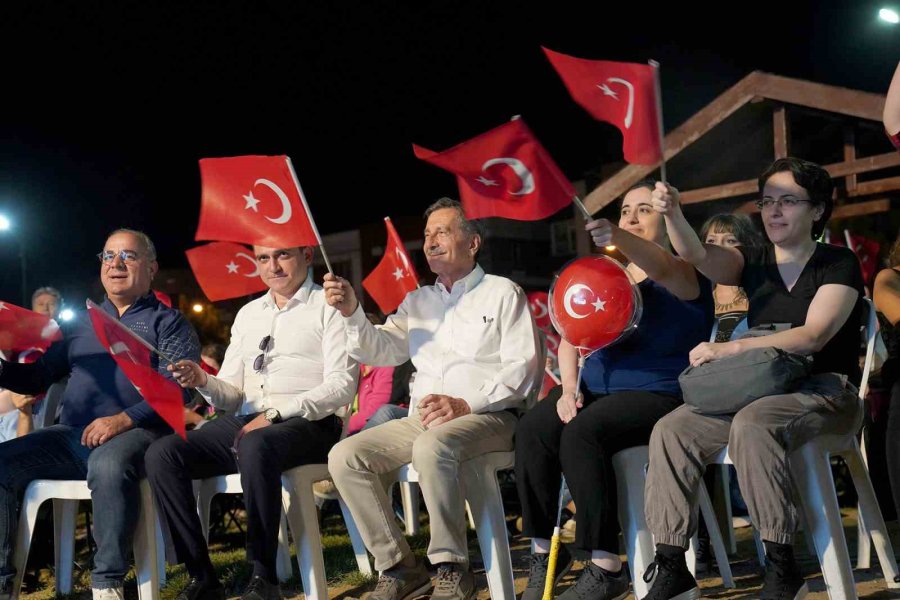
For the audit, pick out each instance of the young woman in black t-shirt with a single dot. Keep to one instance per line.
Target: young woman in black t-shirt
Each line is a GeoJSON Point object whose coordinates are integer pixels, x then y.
{"type": "Point", "coordinates": [812, 294]}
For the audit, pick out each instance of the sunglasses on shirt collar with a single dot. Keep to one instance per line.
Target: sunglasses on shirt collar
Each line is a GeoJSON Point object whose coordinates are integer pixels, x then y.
{"type": "Point", "coordinates": [260, 360]}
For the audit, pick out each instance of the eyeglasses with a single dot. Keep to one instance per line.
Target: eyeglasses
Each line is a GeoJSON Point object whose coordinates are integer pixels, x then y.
{"type": "Point", "coordinates": [127, 256]}
{"type": "Point", "coordinates": [789, 202]}
{"type": "Point", "coordinates": [260, 360]}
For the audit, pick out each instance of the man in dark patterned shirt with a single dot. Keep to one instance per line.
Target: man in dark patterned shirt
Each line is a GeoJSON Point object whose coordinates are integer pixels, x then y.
{"type": "Point", "coordinates": [106, 425]}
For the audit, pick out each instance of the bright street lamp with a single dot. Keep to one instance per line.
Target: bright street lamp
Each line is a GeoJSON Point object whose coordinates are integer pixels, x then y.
{"type": "Point", "coordinates": [4, 223]}
{"type": "Point", "coordinates": [889, 15]}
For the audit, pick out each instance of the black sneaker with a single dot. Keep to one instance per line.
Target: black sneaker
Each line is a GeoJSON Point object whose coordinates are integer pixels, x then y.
{"type": "Point", "coordinates": [671, 579]}
{"type": "Point", "coordinates": [260, 589]}
{"type": "Point", "coordinates": [598, 584]}
{"type": "Point", "coordinates": [783, 581]}
{"type": "Point", "coordinates": [197, 590]}
{"type": "Point", "coordinates": [537, 572]}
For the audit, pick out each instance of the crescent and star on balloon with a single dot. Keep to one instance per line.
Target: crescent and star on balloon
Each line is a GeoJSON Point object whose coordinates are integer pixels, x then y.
{"type": "Point", "coordinates": [569, 296]}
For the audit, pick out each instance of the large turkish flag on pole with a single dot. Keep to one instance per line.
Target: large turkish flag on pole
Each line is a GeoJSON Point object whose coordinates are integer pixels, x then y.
{"type": "Point", "coordinates": [504, 172]}
{"type": "Point", "coordinates": [394, 277]}
{"type": "Point", "coordinates": [225, 270]}
{"type": "Point", "coordinates": [623, 94]}
{"type": "Point", "coordinates": [132, 355]}
{"type": "Point", "coordinates": [254, 200]}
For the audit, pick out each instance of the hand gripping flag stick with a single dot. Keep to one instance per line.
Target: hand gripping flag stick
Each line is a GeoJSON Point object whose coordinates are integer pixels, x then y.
{"type": "Point", "coordinates": [550, 582]}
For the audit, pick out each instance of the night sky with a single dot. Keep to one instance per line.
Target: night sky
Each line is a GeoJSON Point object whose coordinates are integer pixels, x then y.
{"type": "Point", "coordinates": [106, 107]}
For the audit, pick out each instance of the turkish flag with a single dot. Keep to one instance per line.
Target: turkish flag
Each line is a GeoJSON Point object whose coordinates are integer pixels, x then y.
{"type": "Point", "coordinates": [253, 200]}
{"type": "Point", "coordinates": [623, 94]}
{"type": "Point", "coordinates": [225, 270]}
{"type": "Point", "coordinates": [504, 172]}
{"type": "Point", "coordinates": [538, 302]}
{"type": "Point", "coordinates": [866, 251]}
{"type": "Point", "coordinates": [394, 277]}
{"type": "Point", "coordinates": [21, 329]}
{"type": "Point", "coordinates": [132, 355]}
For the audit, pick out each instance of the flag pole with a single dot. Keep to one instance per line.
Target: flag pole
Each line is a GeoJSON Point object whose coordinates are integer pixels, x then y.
{"type": "Point", "coordinates": [312, 221]}
{"type": "Point", "coordinates": [393, 233]}
{"type": "Point", "coordinates": [139, 339]}
{"type": "Point", "coordinates": [582, 208]}
{"type": "Point", "coordinates": [657, 88]}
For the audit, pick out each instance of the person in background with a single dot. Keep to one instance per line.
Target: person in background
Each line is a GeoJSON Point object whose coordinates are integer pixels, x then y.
{"type": "Point", "coordinates": [891, 115]}
{"type": "Point", "coordinates": [18, 410]}
{"type": "Point", "coordinates": [887, 302]}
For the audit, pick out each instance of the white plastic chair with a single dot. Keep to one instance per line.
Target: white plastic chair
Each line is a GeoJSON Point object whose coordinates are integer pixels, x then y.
{"type": "Point", "coordinates": [811, 467]}
{"type": "Point", "coordinates": [482, 492]}
{"type": "Point", "coordinates": [630, 466]}
{"type": "Point", "coordinates": [65, 495]}
{"type": "Point", "coordinates": [299, 506]}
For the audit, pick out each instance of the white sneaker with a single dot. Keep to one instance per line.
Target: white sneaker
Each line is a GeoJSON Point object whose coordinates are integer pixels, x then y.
{"type": "Point", "coordinates": [108, 593]}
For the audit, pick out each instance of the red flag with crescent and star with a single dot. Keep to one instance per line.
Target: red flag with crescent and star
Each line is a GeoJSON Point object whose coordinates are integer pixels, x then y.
{"type": "Point", "coordinates": [623, 94]}
{"type": "Point", "coordinates": [253, 200]}
{"type": "Point", "coordinates": [504, 172]}
{"type": "Point", "coordinates": [21, 329]}
{"type": "Point", "coordinates": [225, 270]}
{"type": "Point", "coordinates": [132, 355]}
{"type": "Point", "coordinates": [394, 277]}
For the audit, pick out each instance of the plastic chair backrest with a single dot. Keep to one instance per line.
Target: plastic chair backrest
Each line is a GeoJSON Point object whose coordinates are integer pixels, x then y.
{"type": "Point", "coordinates": [50, 405]}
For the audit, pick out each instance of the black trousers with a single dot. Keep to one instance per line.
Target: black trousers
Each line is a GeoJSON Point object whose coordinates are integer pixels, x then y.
{"type": "Point", "coordinates": [891, 373]}
{"type": "Point", "coordinates": [582, 450]}
{"type": "Point", "coordinates": [172, 463]}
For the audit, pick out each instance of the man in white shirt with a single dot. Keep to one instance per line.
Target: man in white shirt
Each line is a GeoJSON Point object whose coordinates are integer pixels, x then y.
{"type": "Point", "coordinates": [473, 342]}
{"type": "Point", "coordinates": [285, 373]}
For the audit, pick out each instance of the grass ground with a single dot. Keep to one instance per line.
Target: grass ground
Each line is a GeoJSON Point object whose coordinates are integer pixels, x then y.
{"type": "Point", "coordinates": [345, 582]}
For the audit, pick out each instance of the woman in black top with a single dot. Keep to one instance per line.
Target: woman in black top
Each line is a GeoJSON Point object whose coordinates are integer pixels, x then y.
{"type": "Point", "coordinates": [810, 295]}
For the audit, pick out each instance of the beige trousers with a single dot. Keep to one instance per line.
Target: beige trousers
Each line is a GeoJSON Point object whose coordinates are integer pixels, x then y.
{"type": "Point", "coordinates": [360, 464]}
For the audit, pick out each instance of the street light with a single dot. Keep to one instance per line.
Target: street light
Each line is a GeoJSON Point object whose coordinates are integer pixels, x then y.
{"type": "Point", "coordinates": [889, 15]}
{"type": "Point", "coordinates": [6, 225]}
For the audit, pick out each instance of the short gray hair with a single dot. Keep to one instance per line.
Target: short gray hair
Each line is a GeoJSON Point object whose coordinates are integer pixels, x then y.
{"type": "Point", "coordinates": [144, 239]}
{"type": "Point", "coordinates": [50, 291]}
{"type": "Point", "coordinates": [470, 228]}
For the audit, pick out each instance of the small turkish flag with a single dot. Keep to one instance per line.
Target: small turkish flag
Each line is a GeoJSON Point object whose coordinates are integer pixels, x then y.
{"type": "Point", "coordinates": [394, 277]}
{"type": "Point", "coordinates": [538, 302]}
{"type": "Point", "coordinates": [132, 355]}
{"type": "Point", "coordinates": [504, 172]}
{"type": "Point", "coordinates": [253, 200]}
{"type": "Point", "coordinates": [623, 94]}
{"type": "Point", "coordinates": [866, 251]}
{"type": "Point", "coordinates": [225, 270]}
{"type": "Point", "coordinates": [21, 329]}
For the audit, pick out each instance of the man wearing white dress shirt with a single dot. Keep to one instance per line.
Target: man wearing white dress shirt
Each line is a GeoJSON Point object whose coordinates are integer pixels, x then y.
{"type": "Point", "coordinates": [285, 373]}
{"type": "Point", "coordinates": [473, 342]}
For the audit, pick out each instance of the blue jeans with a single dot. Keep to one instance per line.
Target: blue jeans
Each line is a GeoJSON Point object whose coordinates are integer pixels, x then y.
{"type": "Point", "coordinates": [113, 472]}
{"type": "Point", "coordinates": [385, 413]}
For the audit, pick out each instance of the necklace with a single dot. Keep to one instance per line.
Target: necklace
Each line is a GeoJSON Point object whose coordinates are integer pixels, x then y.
{"type": "Point", "coordinates": [739, 298]}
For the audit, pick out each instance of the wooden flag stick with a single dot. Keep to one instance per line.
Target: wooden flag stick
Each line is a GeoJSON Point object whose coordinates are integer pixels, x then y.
{"type": "Point", "coordinates": [659, 118]}
{"type": "Point", "coordinates": [312, 221]}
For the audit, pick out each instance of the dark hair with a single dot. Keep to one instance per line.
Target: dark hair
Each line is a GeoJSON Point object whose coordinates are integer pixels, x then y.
{"type": "Point", "coordinates": [650, 184]}
{"type": "Point", "coordinates": [144, 239]}
{"type": "Point", "coordinates": [812, 178]}
{"type": "Point", "coordinates": [740, 226]}
{"type": "Point", "coordinates": [215, 351]}
{"type": "Point", "coordinates": [468, 227]}
{"type": "Point", "coordinates": [894, 254]}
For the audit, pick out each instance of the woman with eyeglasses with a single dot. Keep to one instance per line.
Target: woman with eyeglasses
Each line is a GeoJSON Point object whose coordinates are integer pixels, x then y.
{"type": "Point", "coordinates": [810, 295]}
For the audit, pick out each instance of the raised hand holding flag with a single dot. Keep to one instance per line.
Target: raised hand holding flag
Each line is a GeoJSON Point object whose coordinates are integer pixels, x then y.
{"type": "Point", "coordinates": [132, 355]}
{"type": "Point", "coordinates": [225, 270]}
{"type": "Point", "coordinates": [504, 172]}
{"type": "Point", "coordinates": [394, 277]}
{"type": "Point", "coordinates": [21, 329]}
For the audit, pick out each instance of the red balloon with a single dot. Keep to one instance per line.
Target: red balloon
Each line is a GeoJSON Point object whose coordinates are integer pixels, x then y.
{"type": "Point", "coordinates": [594, 303]}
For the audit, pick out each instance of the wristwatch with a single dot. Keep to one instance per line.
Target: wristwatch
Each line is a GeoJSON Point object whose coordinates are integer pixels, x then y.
{"type": "Point", "coordinates": [272, 415]}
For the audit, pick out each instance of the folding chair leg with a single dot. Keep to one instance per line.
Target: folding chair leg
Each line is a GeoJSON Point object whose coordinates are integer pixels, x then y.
{"type": "Point", "coordinates": [871, 519]}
